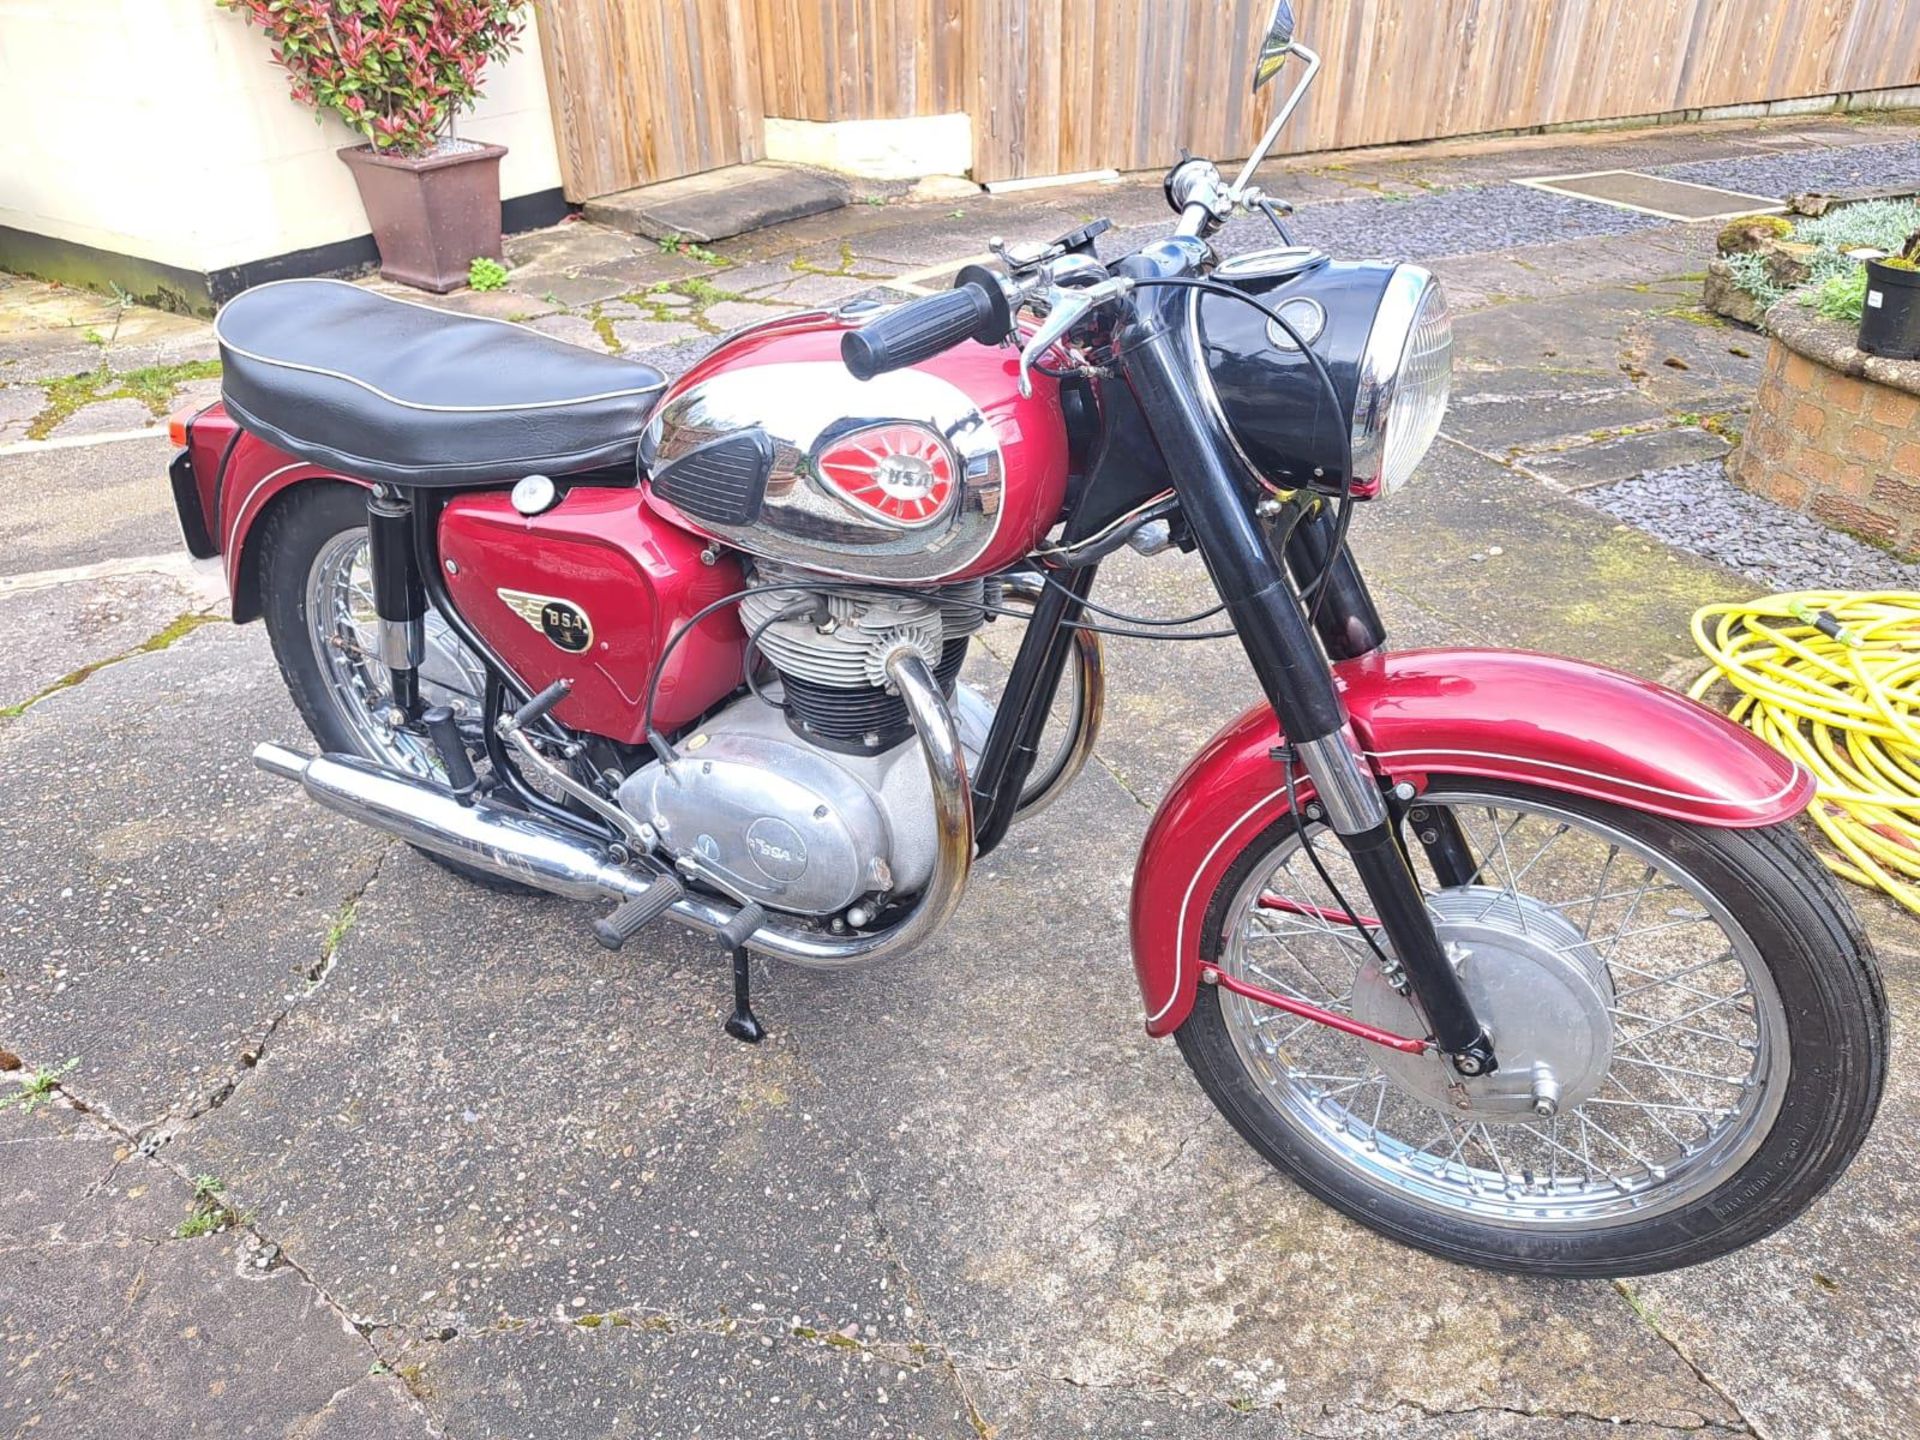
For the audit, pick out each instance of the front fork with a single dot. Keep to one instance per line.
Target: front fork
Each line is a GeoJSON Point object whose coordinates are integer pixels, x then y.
{"type": "Point", "coordinates": [1293, 670]}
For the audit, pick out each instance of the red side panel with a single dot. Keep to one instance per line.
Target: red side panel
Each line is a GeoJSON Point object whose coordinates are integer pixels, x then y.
{"type": "Point", "coordinates": [1490, 714]}
{"type": "Point", "coordinates": [633, 577]}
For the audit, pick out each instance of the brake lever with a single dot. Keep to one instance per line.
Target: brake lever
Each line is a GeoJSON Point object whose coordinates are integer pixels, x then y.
{"type": "Point", "coordinates": [1066, 309]}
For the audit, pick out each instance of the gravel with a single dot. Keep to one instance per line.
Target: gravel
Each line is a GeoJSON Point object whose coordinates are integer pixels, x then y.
{"type": "Point", "coordinates": [1470, 220]}
{"type": "Point", "coordinates": [1792, 171]}
{"type": "Point", "coordinates": [1698, 509]}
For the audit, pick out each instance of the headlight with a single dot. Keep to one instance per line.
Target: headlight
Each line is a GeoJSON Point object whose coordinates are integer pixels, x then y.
{"type": "Point", "coordinates": [1406, 373]}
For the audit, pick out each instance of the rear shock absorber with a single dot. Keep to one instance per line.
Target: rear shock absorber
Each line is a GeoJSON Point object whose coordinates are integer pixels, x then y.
{"type": "Point", "coordinates": [399, 596]}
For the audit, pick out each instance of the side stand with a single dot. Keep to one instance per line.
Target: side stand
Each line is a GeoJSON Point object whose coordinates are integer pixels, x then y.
{"type": "Point", "coordinates": [742, 1024]}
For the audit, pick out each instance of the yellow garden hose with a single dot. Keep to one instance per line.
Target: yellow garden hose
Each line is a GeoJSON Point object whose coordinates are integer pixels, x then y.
{"type": "Point", "coordinates": [1832, 678]}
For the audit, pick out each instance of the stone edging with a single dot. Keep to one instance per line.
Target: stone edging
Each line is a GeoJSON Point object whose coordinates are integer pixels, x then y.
{"type": "Point", "coordinates": [1830, 343]}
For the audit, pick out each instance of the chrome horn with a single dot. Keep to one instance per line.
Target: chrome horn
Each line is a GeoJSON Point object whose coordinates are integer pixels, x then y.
{"type": "Point", "coordinates": [517, 846]}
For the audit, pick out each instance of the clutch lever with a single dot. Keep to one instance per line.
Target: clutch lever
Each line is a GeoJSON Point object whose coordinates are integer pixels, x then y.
{"type": "Point", "coordinates": [1066, 308]}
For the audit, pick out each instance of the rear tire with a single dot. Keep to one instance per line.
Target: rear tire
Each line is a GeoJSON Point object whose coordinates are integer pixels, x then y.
{"type": "Point", "coordinates": [1830, 1044]}
{"type": "Point", "coordinates": [306, 523]}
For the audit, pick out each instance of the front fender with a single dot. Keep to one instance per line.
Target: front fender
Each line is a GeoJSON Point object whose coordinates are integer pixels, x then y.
{"type": "Point", "coordinates": [1490, 714]}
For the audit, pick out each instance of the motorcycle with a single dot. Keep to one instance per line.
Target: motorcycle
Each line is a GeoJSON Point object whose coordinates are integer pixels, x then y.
{"type": "Point", "coordinates": [1512, 958]}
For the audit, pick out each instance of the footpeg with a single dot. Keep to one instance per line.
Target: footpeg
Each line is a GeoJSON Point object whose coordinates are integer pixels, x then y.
{"type": "Point", "coordinates": [635, 915]}
{"type": "Point", "coordinates": [444, 731]}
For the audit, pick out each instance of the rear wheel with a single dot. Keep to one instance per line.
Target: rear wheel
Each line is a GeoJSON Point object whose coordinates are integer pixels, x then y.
{"type": "Point", "coordinates": [317, 601]}
{"type": "Point", "coordinates": [1691, 1032]}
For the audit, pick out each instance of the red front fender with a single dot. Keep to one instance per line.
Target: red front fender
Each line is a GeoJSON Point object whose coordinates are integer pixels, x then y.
{"type": "Point", "coordinates": [1490, 714]}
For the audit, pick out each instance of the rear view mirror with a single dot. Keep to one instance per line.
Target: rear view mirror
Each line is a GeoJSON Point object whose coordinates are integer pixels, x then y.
{"type": "Point", "coordinates": [1276, 45]}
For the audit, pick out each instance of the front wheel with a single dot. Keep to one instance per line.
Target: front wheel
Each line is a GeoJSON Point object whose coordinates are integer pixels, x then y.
{"type": "Point", "coordinates": [1691, 1031]}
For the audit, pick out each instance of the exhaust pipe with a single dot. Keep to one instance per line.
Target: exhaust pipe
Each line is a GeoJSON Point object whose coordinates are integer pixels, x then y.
{"type": "Point", "coordinates": [517, 846]}
{"type": "Point", "coordinates": [489, 837]}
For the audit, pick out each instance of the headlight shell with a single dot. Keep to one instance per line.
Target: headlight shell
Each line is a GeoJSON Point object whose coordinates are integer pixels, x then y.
{"type": "Point", "coordinates": [1406, 375]}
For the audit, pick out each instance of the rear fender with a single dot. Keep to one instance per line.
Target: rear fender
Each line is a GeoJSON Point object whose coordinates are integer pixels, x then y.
{"type": "Point", "coordinates": [239, 476]}
{"type": "Point", "coordinates": [1489, 714]}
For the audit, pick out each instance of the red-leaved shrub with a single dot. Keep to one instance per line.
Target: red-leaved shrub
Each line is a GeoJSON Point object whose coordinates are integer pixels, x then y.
{"type": "Point", "coordinates": [395, 70]}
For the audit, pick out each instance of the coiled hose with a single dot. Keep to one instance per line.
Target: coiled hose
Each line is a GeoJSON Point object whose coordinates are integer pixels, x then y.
{"type": "Point", "coordinates": [1832, 679]}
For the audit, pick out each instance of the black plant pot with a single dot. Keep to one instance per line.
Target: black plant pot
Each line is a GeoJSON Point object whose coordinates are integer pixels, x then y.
{"type": "Point", "coordinates": [1890, 320]}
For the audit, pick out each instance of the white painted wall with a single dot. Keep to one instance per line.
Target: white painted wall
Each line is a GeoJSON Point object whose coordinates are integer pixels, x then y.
{"type": "Point", "coordinates": [163, 129]}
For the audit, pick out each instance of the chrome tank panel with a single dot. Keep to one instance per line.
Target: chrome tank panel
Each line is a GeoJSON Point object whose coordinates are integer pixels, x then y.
{"type": "Point", "coordinates": [804, 407]}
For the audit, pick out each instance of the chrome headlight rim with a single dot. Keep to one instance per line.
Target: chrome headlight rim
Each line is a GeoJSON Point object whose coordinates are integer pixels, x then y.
{"type": "Point", "coordinates": [1410, 290]}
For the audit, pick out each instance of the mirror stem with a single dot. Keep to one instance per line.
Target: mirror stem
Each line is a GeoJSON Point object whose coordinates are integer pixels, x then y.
{"type": "Point", "coordinates": [1285, 113]}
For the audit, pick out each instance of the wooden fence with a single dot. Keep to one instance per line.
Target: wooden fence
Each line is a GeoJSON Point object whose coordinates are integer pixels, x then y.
{"type": "Point", "coordinates": [647, 89]}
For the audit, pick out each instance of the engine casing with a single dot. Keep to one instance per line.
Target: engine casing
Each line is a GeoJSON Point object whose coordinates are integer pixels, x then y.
{"type": "Point", "coordinates": [790, 824]}
{"type": "Point", "coordinates": [939, 472]}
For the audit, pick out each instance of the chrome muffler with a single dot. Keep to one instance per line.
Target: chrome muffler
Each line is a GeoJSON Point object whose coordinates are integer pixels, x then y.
{"type": "Point", "coordinates": [517, 846]}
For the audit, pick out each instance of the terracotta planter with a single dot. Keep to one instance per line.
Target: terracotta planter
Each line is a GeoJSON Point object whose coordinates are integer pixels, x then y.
{"type": "Point", "coordinates": [431, 214]}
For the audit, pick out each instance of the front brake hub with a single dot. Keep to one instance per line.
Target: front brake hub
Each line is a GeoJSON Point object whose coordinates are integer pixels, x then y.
{"type": "Point", "coordinates": [1539, 988]}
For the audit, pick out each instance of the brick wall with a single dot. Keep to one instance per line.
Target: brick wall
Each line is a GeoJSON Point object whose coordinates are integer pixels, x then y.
{"type": "Point", "coordinates": [1843, 448]}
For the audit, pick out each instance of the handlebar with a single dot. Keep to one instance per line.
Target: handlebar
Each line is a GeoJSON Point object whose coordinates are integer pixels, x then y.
{"type": "Point", "coordinates": [975, 309]}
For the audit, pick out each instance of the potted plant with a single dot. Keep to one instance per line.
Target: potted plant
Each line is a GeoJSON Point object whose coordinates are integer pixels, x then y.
{"type": "Point", "coordinates": [1890, 314]}
{"type": "Point", "coordinates": [398, 71]}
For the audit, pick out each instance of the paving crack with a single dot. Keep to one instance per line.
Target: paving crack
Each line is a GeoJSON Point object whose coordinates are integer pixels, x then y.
{"type": "Point", "coordinates": [312, 979]}
{"type": "Point", "coordinates": [1651, 1319]}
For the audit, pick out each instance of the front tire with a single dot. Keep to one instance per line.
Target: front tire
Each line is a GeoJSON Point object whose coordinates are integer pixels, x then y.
{"type": "Point", "coordinates": [1729, 1081]}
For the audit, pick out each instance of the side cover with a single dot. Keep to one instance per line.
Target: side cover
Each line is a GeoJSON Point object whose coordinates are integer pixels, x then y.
{"type": "Point", "coordinates": [1491, 714]}
{"type": "Point", "coordinates": [591, 591]}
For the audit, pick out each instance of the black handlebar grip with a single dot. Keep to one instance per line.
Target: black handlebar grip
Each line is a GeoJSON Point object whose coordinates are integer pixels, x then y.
{"type": "Point", "coordinates": [975, 309]}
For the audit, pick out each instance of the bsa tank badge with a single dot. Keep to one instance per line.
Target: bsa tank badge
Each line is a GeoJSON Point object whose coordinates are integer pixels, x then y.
{"type": "Point", "coordinates": [561, 621]}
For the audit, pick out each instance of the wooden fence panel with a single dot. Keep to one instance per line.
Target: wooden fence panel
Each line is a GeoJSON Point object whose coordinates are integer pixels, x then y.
{"type": "Point", "coordinates": [861, 59]}
{"type": "Point", "coordinates": [1066, 85]}
{"type": "Point", "coordinates": [646, 90]}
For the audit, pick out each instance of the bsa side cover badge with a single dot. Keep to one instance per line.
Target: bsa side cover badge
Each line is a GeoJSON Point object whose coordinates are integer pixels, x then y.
{"type": "Point", "coordinates": [561, 621]}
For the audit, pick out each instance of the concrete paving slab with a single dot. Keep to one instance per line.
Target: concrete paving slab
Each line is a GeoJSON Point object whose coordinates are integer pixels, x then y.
{"type": "Point", "coordinates": [86, 503]}
{"type": "Point", "coordinates": [109, 1325]}
{"type": "Point", "coordinates": [60, 631]}
{"type": "Point", "coordinates": [719, 204]}
{"type": "Point", "coordinates": [484, 1116]}
{"type": "Point", "coordinates": [165, 902]}
{"type": "Point", "coordinates": [1606, 461]}
{"type": "Point", "coordinates": [656, 1383]}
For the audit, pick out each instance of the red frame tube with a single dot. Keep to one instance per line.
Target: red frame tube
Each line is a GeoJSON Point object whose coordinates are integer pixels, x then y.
{"type": "Point", "coordinates": [1346, 1024]}
{"type": "Point", "coordinates": [1317, 912]}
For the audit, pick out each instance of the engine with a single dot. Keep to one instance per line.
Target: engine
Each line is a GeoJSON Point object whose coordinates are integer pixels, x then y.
{"type": "Point", "coordinates": [811, 795]}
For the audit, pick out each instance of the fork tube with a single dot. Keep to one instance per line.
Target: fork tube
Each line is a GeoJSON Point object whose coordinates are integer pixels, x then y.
{"type": "Point", "coordinates": [1294, 673]}
{"type": "Point", "coordinates": [1348, 623]}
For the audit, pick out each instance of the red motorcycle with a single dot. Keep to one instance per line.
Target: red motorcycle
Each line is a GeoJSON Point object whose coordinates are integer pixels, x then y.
{"type": "Point", "coordinates": [1513, 958]}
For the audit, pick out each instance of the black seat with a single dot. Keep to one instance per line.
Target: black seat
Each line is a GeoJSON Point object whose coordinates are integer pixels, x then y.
{"type": "Point", "coordinates": [392, 390]}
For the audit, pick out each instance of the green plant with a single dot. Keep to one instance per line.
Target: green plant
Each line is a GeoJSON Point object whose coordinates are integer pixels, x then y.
{"type": "Point", "coordinates": [210, 1210]}
{"type": "Point", "coordinates": [1751, 274]}
{"type": "Point", "coordinates": [1840, 297]}
{"type": "Point", "coordinates": [1872, 224]}
{"type": "Point", "coordinates": [1900, 262]}
{"type": "Point", "coordinates": [397, 71]}
{"type": "Point", "coordinates": [485, 274]}
{"type": "Point", "coordinates": [38, 1088]}
{"type": "Point", "coordinates": [692, 249]}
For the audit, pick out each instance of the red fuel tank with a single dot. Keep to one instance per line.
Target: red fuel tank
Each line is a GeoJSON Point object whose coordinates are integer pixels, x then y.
{"type": "Point", "coordinates": [590, 591]}
{"type": "Point", "coordinates": [936, 473]}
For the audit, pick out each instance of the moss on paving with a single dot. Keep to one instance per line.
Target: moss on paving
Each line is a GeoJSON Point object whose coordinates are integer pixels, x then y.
{"type": "Point", "coordinates": [181, 627]}
{"type": "Point", "coordinates": [152, 385]}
